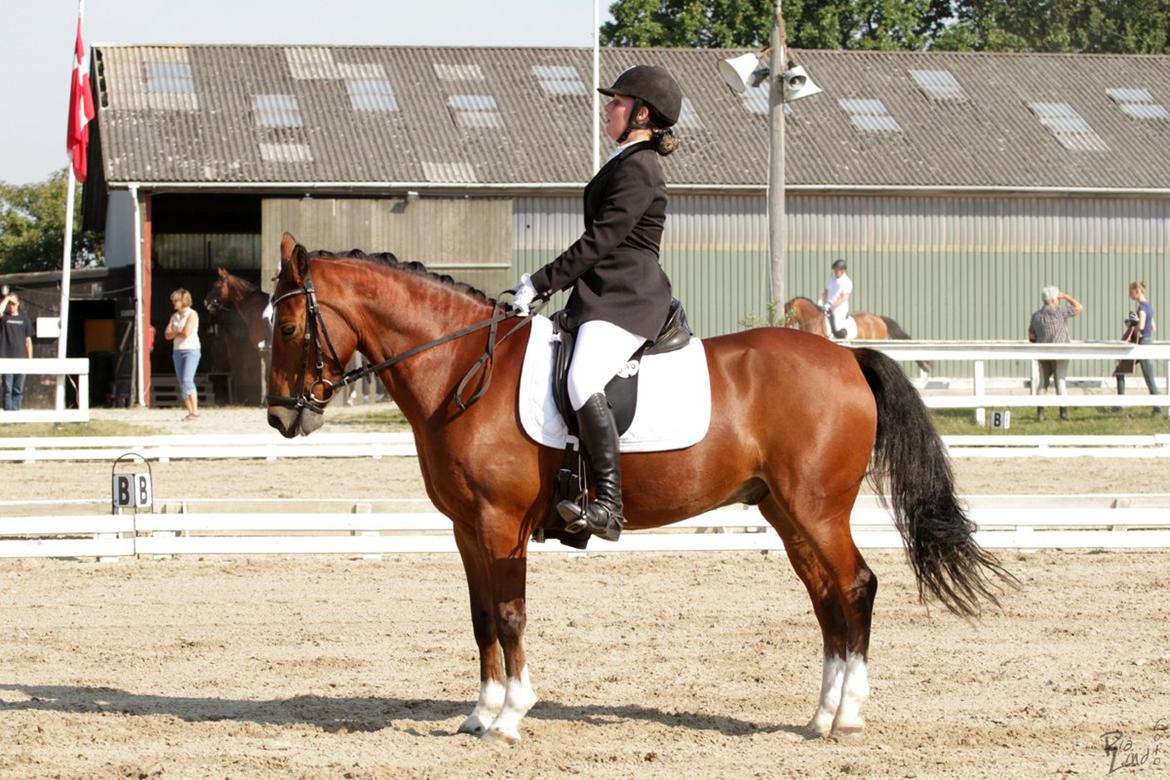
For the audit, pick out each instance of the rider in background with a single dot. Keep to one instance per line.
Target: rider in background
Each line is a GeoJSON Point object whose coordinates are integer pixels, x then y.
{"type": "Point", "coordinates": [621, 297]}
{"type": "Point", "coordinates": [835, 298]}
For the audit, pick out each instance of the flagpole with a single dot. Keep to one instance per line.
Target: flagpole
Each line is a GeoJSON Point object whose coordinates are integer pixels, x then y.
{"type": "Point", "coordinates": [67, 253]}
{"type": "Point", "coordinates": [596, 84]}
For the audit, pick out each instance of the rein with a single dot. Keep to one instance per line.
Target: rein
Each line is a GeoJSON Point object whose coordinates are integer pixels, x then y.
{"type": "Point", "coordinates": [315, 327]}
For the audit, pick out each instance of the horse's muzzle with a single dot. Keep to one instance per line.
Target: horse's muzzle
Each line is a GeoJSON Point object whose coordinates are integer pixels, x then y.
{"type": "Point", "coordinates": [293, 422]}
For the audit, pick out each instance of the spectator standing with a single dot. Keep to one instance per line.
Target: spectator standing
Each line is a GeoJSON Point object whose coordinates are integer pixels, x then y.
{"type": "Point", "coordinates": [1142, 332]}
{"type": "Point", "coordinates": [1049, 325]}
{"type": "Point", "coordinates": [16, 335]}
{"type": "Point", "coordinates": [183, 330]}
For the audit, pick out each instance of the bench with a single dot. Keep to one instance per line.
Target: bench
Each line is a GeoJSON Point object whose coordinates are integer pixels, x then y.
{"type": "Point", "coordinates": [164, 389]}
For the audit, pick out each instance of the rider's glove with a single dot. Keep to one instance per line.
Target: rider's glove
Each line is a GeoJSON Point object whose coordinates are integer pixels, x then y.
{"type": "Point", "coordinates": [523, 295]}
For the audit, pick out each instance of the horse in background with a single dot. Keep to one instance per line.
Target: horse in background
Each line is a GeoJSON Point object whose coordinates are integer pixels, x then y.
{"type": "Point", "coordinates": [777, 441]}
{"type": "Point", "coordinates": [230, 292]}
{"type": "Point", "coordinates": [804, 315]}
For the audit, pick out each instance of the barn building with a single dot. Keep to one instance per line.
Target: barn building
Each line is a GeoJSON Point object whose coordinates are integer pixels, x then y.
{"type": "Point", "coordinates": [956, 185]}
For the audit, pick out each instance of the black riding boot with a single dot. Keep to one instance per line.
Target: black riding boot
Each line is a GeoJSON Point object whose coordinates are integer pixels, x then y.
{"type": "Point", "coordinates": [599, 436]}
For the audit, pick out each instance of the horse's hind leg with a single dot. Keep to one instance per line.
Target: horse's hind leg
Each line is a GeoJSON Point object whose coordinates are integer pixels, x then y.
{"type": "Point", "coordinates": [842, 589]}
{"type": "Point", "coordinates": [491, 680]}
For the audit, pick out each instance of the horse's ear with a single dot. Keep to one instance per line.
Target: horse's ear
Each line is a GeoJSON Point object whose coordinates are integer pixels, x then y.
{"type": "Point", "coordinates": [223, 273]}
{"type": "Point", "coordinates": [295, 256]}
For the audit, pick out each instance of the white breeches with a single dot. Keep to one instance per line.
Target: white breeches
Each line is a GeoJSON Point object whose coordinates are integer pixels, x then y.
{"type": "Point", "coordinates": [601, 350]}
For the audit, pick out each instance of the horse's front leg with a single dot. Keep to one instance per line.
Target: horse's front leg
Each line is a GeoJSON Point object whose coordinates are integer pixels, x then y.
{"type": "Point", "coordinates": [505, 545]}
{"type": "Point", "coordinates": [491, 677]}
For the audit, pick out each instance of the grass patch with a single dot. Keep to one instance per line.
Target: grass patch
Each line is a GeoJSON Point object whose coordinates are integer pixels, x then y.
{"type": "Point", "coordinates": [387, 420]}
{"type": "Point", "coordinates": [1083, 421]}
{"type": "Point", "coordinates": [91, 428]}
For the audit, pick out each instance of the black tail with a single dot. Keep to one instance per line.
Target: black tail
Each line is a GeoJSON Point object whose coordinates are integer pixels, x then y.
{"type": "Point", "coordinates": [896, 332]}
{"type": "Point", "coordinates": [894, 329]}
{"type": "Point", "coordinates": [910, 461]}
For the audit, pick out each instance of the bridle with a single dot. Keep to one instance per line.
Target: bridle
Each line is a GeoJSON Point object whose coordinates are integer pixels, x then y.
{"type": "Point", "coordinates": [315, 329]}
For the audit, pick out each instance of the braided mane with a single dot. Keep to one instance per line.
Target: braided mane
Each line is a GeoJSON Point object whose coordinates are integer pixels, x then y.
{"type": "Point", "coordinates": [410, 266]}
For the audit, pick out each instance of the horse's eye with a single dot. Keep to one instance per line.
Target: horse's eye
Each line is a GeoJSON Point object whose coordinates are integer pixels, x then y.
{"type": "Point", "coordinates": [289, 329]}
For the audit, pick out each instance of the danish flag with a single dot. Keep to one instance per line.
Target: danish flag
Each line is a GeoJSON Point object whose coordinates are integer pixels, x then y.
{"type": "Point", "coordinates": [80, 109]}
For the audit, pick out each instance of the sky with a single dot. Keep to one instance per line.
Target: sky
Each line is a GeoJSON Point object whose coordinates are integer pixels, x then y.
{"type": "Point", "coordinates": [36, 44]}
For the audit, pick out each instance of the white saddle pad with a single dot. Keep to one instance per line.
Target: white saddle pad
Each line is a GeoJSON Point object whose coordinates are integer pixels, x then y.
{"type": "Point", "coordinates": [850, 327]}
{"type": "Point", "coordinates": [674, 396]}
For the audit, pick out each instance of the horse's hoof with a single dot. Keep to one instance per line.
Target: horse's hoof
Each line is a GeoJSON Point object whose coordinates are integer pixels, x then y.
{"type": "Point", "coordinates": [501, 737]}
{"type": "Point", "coordinates": [820, 726]}
{"type": "Point", "coordinates": [473, 726]}
{"type": "Point", "coordinates": [848, 731]}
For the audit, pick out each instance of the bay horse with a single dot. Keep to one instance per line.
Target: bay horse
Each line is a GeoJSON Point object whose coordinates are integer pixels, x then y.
{"type": "Point", "coordinates": [232, 292]}
{"type": "Point", "coordinates": [776, 440]}
{"type": "Point", "coordinates": [803, 314]}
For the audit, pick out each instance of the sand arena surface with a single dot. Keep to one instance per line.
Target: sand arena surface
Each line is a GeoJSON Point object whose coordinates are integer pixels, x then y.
{"type": "Point", "coordinates": [648, 665]}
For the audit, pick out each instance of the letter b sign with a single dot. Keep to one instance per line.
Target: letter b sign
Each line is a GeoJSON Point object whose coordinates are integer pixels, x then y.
{"type": "Point", "coordinates": [132, 490]}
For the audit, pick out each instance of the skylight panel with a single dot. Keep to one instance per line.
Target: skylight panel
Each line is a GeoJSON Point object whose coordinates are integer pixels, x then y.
{"type": "Point", "coordinates": [755, 101]}
{"type": "Point", "coordinates": [1068, 127]}
{"type": "Point", "coordinates": [169, 77]}
{"type": "Point", "coordinates": [449, 72]}
{"type": "Point", "coordinates": [559, 79]}
{"type": "Point", "coordinates": [311, 63]}
{"type": "Point", "coordinates": [939, 84]}
{"type": "Point", "coordinates": [688, 118]}
{"type": "Point", "coordinates": [869, 115]}
{"type": "Point", "coordinates": [1137, 102]}
{"type": "Point", "coordinates": [276, 111]}
{"type": "Point", "coordinates": [371, 95]}
{"type": "Point", "coordinates": [285, 153]}
{"type": "Point", "coordinates": [475, 110]}
{"type": "Point", "coordinates": [448, 171]}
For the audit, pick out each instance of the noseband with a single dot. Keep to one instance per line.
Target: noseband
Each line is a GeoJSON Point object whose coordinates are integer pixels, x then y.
{"type": "Point", "coordinates": [315, 329]}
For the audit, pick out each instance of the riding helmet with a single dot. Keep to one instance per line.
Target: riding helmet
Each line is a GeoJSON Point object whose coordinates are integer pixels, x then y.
{"type": "Point", "coordinates": [652, 85]}
{"type": "Point", "coordinates": [839, 265]}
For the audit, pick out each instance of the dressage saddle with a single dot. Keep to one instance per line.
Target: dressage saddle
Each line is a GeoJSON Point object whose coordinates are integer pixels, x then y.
{"type": "Point", "coordinates": [622, 394]}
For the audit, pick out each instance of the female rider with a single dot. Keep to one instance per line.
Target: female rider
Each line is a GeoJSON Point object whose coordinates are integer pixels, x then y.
{"type": "Point", "coordinates": [621, 297]}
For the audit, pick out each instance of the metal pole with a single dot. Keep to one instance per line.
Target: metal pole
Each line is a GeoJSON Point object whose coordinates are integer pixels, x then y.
{"type": "Point", "coordinates": [67, 250]}
{"type": "Point", "coordinates": [66, 266]}
{"type": "Point", "coordinates": [139, 314]}
{"type": "Point", "coordinates": [777, 226]}
{"type": "Point", "coordinates": [596, 84]}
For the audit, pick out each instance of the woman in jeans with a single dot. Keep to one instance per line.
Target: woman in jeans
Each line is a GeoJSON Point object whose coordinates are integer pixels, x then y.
{"type": "Point", "coordinates": [183, 330]}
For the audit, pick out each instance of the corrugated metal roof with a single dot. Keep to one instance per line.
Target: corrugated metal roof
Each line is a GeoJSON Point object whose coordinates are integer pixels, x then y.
{"type": "Point", "coordinates": [396, 114]}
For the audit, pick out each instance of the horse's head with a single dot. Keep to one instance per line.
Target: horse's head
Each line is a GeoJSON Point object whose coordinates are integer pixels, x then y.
{"type": "Point", "coordinates": [219, 295]}
{"type": "Point", "coordinates": [803, 314]}
{"type": "Point", "coordinates": [311, 343]}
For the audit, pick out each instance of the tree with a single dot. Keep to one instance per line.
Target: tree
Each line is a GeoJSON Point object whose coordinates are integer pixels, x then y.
{"type": "Point", "coordinates": [32, 227]}
{"type": "Point", "coordinates": [1089, 26]}
{"type": "Point", "coordinates": [1098, 26]}
{"type": "Point", "coordinates": [845, 24]}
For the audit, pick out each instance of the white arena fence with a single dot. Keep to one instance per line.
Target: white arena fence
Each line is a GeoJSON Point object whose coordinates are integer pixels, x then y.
{"type": "Point", "coordinates": [271, 446]}
{"type": "Point", "coordinates": [1121, 522]}
{"type": "Point", "coordinates": [979, 353]}
{"type": "Point", "coordinates": [63, 369]}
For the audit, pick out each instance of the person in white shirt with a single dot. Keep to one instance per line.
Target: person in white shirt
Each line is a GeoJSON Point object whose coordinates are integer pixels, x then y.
{"type": "Point", "coordinates": [183, 330]}
{"type": "Point", "coordinates": [835, 298]}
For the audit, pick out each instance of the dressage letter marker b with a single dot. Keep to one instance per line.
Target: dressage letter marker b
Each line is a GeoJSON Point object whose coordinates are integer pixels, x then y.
{"type": "Point", "coordinates": [1001, 419]}
{"type": "Point", "coordinates": [132, 490]}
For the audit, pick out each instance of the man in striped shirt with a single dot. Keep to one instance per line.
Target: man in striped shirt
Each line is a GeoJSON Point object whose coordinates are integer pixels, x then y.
{"type": "Point", "coordinates": [1049, 325]}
